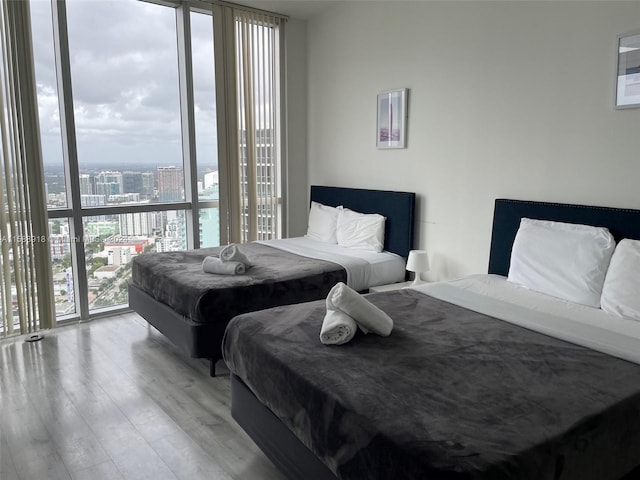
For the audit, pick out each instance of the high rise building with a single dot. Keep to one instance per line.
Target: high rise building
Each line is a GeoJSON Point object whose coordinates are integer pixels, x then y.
{"type": "Point", "coordinates": [170, 184]}
{"type": "Point", "coordinates": [267, 211]}
{"type": "Point", "coordinates": [132, 182]}
{"type": "Point", "coordinates": [138, 223]}
{"type": "Point", "coordinates": [148, 184]}
{"type": "Point", "coordinates": [209, 227]}
{"type": "Point", "coordinates": [109, 183]}
{"type": "Point", "coordinates": [210, 179]}
{"type": "Point", "coordinates": [86, 185]}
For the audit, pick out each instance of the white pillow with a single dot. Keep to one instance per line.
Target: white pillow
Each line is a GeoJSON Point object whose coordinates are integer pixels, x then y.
{"type": "Point", "coordinates": [621, 290]}
{"type": "Point", "coordinates": [360, 230]}
{"type": "Point", "coordinates": [323, 222]}
{"type": "Point", "coordinates": [565, 260]}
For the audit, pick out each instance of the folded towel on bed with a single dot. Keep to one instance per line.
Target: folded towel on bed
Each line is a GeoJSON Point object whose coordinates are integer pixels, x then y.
{"type": "Point", "coordinates": [232, 253]}
{"type": "Point", "coordinates": [215, 265]}
{"type": "Point", "coordinates": [368, 317]}
{"type": "Point", "coordinates": [337, 327]}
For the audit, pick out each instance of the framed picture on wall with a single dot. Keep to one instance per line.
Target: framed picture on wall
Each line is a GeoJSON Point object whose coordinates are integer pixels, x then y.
{"type": "Point", "coordinates": [391, 130]}
{"type": "Point", "coordinates": [628, 75]}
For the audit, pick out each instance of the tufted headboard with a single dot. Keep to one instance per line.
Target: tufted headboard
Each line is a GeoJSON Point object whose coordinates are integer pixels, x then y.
{"type": "Point", "coordinates": [397, 207]}
{"type": "Point", "coordinates": [621, 222]}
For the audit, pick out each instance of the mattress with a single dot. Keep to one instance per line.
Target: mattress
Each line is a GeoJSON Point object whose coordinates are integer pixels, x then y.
{"type": "Point", "coordinates": [276, 277]}
{"type": "Point", "coordinates": [579, 324]}
{"type": "Point", "coordinates": [452, 393]}
{"type": "Point", "coordinates": [284, 271]}
{"type": "Point", "coordinates": [365, 269]}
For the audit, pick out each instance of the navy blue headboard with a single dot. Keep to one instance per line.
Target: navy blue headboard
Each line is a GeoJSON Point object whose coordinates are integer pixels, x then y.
{"type": "Point", "coordinates": [397, 207]}
{"type": "Point", "coordinates": [621, 222]}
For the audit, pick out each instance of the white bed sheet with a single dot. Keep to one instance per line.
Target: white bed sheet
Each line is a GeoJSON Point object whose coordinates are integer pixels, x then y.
{"type": "Point", "coordinates": [365, 269]}
{"type": "Point", "coordinates": [590, 327]}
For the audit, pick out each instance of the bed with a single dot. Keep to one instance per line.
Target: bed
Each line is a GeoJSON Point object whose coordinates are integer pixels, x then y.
{"type": "Point", "coordinates": [458, 391]}
{"type": "Point", "coordinates": [192, 308]}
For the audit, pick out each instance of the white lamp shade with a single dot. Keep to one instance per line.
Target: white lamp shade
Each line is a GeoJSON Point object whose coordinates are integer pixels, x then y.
{"type": "Point", "coordinates": [418, 261]}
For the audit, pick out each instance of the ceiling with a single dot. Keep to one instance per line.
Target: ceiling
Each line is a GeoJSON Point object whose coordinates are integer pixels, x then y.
{"type": "Point", "coordinates": [299, 9]}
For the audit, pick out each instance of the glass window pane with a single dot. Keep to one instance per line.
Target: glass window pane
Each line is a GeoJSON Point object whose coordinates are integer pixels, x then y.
{"type": "Point", "coordinates": [204, 92]}
{"type": "Point", "coordinates": [209, 227]}
{"type": "Point", "coordinates": [126, 101]}
{"type": "Point", "coordinates": [111, 241]}
{"type": "Point", "coordinates": [63, 285]}
{"type": "Point", "coordinates": [49, 114]}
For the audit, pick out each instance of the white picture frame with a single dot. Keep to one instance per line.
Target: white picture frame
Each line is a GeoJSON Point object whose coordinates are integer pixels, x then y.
{"type": "Point", "coordinates": [628, 71]}
{"type": "Point", "coordinates": [391, 125]}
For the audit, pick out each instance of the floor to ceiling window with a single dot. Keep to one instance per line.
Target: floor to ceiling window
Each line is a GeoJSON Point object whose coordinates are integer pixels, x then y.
{"type": "Point", "coordinates": [129, 121]}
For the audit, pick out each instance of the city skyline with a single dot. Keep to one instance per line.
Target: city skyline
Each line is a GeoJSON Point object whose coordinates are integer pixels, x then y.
{"type": "Point", "coordinates": [125, 165]}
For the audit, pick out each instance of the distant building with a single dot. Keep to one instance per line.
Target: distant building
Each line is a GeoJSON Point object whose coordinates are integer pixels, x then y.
{"type": "Point", "coordinates": [211, 179]}
{"type": "Point", "coordinates": [148, 184]}
{"type": "Point", "coordinates": [138, 223]}
{"type": "Point", "coordinates": [109, 183]}
{"type": "Point", "coordinates": [106, 271]}
{"type": "Point", "coordinates": [267, 212]}
{"type": "Point", "coordinates": [124, 198]}
{"type": "Point", "coordinates": [93, 200]}
{"type": "Point", "coordinates": [132, 182]}
{"type": "Point", "coordinates": [209, 227]}
{"type": "Point", "coordinates": [174, 237]}
{"type": "Point", "coordinates": [86, 185]}
{"type": "Point", "coordinates": [59, 244]}
{"type": "Point", "coordinates": [135, 245]}
{"type": "Point", "coordinates": [170, 184]}
{"type": "Point", "coordinates": [118, 255]}
{"type": "Point", "coordinates": [69, 279]}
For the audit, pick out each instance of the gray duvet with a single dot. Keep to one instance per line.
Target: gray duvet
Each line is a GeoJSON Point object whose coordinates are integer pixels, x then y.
{"type": "Point", "coordinates": [276, 278]}
{"type": "Point", "coordinates": [451, 394]}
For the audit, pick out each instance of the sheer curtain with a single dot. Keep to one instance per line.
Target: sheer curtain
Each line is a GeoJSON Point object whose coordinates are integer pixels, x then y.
{"type": "Point", "coordinates": [26, 291]}
{"type": "Point", "coordinates": [257, 47]}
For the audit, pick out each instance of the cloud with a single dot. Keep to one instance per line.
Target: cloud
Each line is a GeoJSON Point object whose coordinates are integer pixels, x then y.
{"type": "Point", "coordinates": [124, 71]}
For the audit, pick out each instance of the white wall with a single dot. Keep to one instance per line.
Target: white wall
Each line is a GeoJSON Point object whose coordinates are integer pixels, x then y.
{"type": "Point", "coordinates": [507, 99]}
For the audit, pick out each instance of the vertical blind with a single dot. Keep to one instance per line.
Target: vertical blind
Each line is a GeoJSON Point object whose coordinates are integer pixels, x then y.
{"type": "Point", "coordinates": [26, 291]}
{"type": "Point", "coordinates": [258, 112]}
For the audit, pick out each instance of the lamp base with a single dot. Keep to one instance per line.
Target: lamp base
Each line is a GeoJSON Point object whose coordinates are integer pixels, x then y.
{"type": "Point", "coordinates": [417, 280]}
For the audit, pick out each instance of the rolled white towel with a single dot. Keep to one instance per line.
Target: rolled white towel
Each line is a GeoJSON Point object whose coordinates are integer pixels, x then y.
{"type": "Point", "coordinates": [337, 328]}
{"type": "Point", "coordinates": [215, 265]}
{"type": "Point", "coordinates": [368, 317]}
{"type": "Point", "coordinates": [232, 253]}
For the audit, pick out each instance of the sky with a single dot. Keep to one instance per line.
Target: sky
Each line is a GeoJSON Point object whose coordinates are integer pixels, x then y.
{"type": "Point", "coordinates": [124, 75]}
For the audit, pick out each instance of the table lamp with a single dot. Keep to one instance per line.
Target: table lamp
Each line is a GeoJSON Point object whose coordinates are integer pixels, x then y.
{"type": "Point", "coordinates": [417, 262]}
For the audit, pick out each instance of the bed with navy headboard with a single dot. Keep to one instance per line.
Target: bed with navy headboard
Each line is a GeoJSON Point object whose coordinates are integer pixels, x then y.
{"type": "Point", "coordinates": [621, 222]}
{"type": "Point", "coordinates": [192, 308]}
{"type": "Point", "coordinates": [453, 392]}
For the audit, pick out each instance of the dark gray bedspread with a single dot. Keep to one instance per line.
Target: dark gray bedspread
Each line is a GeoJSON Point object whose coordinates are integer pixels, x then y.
{"type": "Point", "coordinates": [451, 394]}
{"type": "Point", "coordinates": [276, 278]}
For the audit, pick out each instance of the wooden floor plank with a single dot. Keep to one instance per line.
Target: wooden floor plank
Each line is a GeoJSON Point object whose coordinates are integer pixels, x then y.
{"type": "Point", "coordinates": [114, 399]}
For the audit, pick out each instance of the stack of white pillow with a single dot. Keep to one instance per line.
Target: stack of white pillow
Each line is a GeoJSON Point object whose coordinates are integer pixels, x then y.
{"type": "Point", "coordinates": [346, 227]}
{"type": "Point", "coordinates": [578, 263]}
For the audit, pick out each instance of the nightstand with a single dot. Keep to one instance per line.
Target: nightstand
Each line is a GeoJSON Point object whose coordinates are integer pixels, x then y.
{"type": "Point", "coordinates": [389, 287]}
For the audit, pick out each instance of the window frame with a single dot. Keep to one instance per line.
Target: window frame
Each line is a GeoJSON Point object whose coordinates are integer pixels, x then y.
{"type": "Point", "coordinates": [74, 212]}
{"type": "Point", "coordinates": [230, 216]}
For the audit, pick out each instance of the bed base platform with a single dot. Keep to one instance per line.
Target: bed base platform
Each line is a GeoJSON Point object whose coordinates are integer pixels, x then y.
{"type": "Point", "coordinates": [190, 337]}
{"type": "Point", "coordinates": [277, 442]}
